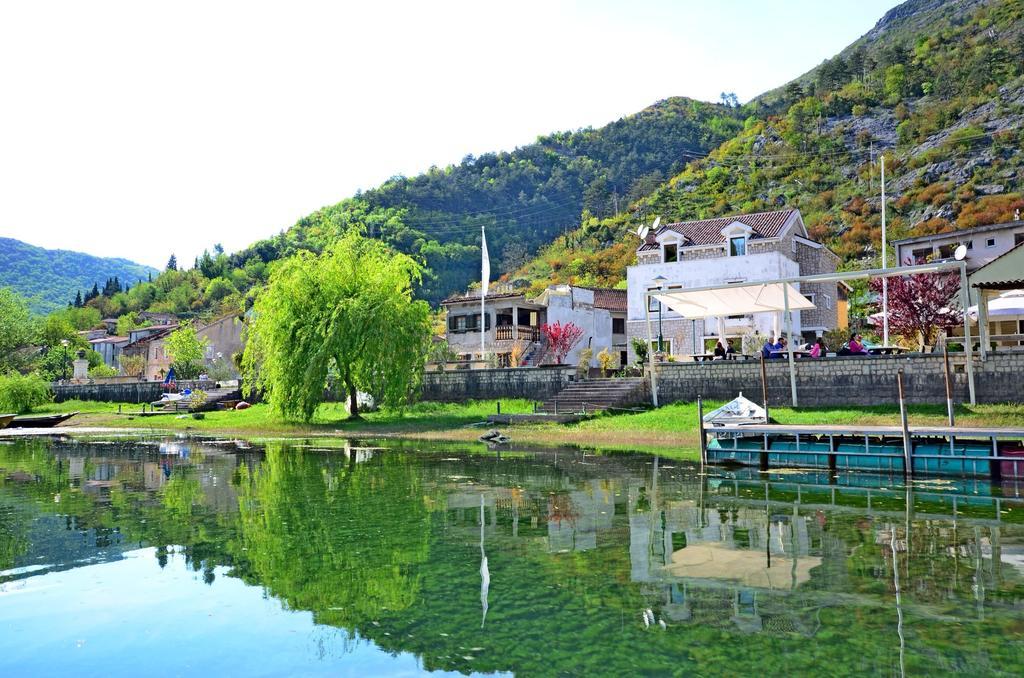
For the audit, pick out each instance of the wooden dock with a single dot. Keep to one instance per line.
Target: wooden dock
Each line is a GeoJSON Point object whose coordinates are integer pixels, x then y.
{"type": "Point", "coordinates": [931, 450]}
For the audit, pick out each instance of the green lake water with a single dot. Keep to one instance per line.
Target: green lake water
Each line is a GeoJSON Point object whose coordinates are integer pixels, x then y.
{"type": "Point", "coordinates": [176, 556]}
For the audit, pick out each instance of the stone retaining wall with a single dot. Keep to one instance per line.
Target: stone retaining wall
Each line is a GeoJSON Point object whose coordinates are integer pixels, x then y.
{"type": "Point", "coordinates": [120, 391]}
{"type": "Point", "coordinates": [849, 380]}
{"type": "Point", "coordinates": [827, 382]}
{"type": "Point", "coordinates": [132, 392]}
{"type": "Point", "coordinates": [534, 383]}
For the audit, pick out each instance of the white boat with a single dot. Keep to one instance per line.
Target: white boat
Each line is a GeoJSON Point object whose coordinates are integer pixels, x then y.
{"type": "Point", "coordinates": [170, 399]}
{"type": "Point", "coordinates": [736, 411]}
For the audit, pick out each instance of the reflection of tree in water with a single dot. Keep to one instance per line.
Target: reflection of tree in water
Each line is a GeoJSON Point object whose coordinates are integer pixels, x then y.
{"type": "Point", "coordinates": [326, 534]}
{"type": "Point", "coordinates": [390, 548]}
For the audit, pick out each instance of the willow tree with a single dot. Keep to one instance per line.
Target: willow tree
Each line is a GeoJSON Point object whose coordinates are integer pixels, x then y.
{"type": "Point", "coordinates": [348, 310]}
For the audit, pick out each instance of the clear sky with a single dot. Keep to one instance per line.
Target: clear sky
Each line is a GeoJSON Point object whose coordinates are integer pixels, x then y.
{"type": "Point", "coordinates": [137, 129]}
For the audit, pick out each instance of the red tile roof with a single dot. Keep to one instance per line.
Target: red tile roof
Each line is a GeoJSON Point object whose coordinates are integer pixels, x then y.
{"type": "Point", "coordinates": [709, 231]}
{"type": "Point", "coordinates": [609, 299]}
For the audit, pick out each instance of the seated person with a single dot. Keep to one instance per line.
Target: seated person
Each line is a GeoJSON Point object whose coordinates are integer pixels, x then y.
{"type": "Point", "coordinates": [818, 349]}
{"type": "Point", "coordinates": [729, 350]}
{"type": "Point", "coordinates": [768, 347]}
{"type": "Point", "coordinates": [856, 345]}
{"type": "Point", "coordinates": [780, 347]}
{"type": "Point", "coordinates": [720, 351]}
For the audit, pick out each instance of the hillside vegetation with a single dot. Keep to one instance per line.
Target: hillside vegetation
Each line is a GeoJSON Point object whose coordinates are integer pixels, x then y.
{"type": "Point", "coordinates": [938, 88]}
{"type": "Point", "coordinates": [941, 95]}
{"type": "Point", "coordinates": [49, 279]}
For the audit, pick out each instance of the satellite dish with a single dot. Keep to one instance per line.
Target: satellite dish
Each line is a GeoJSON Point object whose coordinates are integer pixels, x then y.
{"type": "Point", "coordinates": [643, 233]}
{"type": "Point", "coordinates": [961, 253]}
{"type": "Point", "coordinates": [657, 221]}
{"type": "Point", "coordinates": [639, 230]}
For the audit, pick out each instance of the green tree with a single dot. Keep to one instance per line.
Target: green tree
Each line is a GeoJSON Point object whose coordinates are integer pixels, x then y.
{"type": "Point", "coordinates": [186, 351]}
{"type": "Point", "coordinates": [16, 329]}
{"type": "Point", "coordinates": [172, 263]}
{"type": "Point", "coordinates": [350, 310]}
{"type": "Point", "coordinates": [20, 393]}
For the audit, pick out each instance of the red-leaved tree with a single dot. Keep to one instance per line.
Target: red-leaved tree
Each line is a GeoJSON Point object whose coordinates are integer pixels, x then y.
{"type": "Point", "coordinates": [561, 338]}
{"type": "Point", "coordinates": [921, 304]}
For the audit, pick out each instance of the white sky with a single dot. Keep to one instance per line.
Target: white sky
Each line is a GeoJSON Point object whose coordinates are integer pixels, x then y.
{"type": "Point", "coordinates": [137, 129]}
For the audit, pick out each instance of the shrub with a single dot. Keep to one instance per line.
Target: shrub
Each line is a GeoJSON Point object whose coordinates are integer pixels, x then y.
{"type": "Point", "coordinates": [132, 365]}
{"type": "Point", "coordinates": [19, 394]}
{"type": "Point", "coordinates": [859, 109]}
{"type": "Point", "coordinates": [641, 350]}
{"type": "Point", "coordinates": [102, 370]}
{"type": "Point", "coordinates": [583, 368]}
{"type": "Point", "coordinates": [609, 362]}
{"type": "Point", "coordinates": [197, 400]}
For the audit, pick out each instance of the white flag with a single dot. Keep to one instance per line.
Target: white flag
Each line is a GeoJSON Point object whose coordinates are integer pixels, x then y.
{"type": "Point", "coordinates": [485, 264]}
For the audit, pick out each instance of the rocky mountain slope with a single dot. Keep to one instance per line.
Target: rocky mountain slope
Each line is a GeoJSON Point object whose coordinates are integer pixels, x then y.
{"type": "Point", "coordinates": [937, 88]}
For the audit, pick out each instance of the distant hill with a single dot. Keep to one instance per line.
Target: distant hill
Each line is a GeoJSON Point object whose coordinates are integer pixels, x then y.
{"type": "Point", "coordinates": [50, 278]}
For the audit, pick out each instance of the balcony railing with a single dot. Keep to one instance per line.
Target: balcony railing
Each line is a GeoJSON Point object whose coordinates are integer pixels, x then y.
{"type": "Point", "coordinates": [513, 332]}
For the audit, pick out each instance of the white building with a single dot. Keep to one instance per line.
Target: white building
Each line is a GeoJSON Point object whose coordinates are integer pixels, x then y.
{"type": "Point", "coordinates": [511, 316]}
{"type": "Point", "coordinates": [984, 244]}
{"type": "Point", "coordinates": [730, 250]}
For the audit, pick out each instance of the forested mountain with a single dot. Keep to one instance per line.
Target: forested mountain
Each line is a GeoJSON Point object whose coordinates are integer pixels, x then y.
{"type": "Point", "coordinates": [524, 197]}
{"type": "Point", "coordinates": [49, 279]}
{"type": "Point", "coordinates": [938, 88]}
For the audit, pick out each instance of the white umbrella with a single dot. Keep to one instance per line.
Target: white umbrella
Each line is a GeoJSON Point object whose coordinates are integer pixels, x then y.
{"type": "Point", "coordinates": [1007, 303]}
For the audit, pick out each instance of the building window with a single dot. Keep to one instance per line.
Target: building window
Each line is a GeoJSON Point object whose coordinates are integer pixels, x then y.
{"type": "Point", "coordinates": [671, 252]}
{"type": "Point", "coordinates": [653, 304]}
{"type": "Point", "coordinates": [666, 343]}
{"type": "Point", "coordinates": [969, 244]}
{"type": "Point", "coordinates": [828, 301]}
{"type": "Point", "coordinates": [618, 325]}
{"type": "Point", "coordinates": [921, 256]}
{"type": "Point", "coordinates": [737, 246]}
{"type": "Point", "coordinates": [991, 242]}
{"type": "Point", "coordinates": [1018, 238]}
{"type": "Point", "coordinates": [794, 245]}
{"type": "Point", "coordinates": [810, 296]}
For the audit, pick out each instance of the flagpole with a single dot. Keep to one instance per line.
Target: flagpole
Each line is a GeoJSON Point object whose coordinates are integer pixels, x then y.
{"type": "Point", "coordinates": [885, 281]}
{"type": "Point", "coordinates": [484, 280]}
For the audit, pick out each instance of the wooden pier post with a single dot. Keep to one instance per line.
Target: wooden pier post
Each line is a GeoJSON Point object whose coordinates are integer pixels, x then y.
{"type": "Point", "coordinates": [700, 432]}
{"type": "Point", "coordinates": [949, 384]}
{"type": "Point", "coordinates": [764, 389]}
{"type": "Point", "coordinates": [908, 462]}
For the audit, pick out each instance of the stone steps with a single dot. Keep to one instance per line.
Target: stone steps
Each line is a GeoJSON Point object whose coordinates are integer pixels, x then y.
{"type": "Point", "coordinates": [594, 395]}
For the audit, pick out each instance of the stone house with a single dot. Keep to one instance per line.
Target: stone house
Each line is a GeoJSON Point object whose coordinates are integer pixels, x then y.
{"type": "Point", "coordinates": [984, 244]}
{"type": "Point", "coordinates": [223, 340]}
{"type": "Point", "coordinates": [151, 345]}
{"type": "Point", "coordinates": [737, 249]}
{"type": "Point", "coordinates": [109, 348]}
{"type": "Point", "coordinates": [510, 316]}
{"type": "Point", "coordinates": [223, 336]}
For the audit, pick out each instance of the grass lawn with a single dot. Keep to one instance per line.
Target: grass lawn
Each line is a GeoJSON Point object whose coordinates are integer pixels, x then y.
{"type": "Point", "coordinates": [261, 419]}
{"type": "Point", "coordinates": [670, 430]}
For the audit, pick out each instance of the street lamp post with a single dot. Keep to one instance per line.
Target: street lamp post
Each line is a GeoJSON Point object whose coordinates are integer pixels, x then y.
{"type": "Point", "coordinates": [64, 362]}
{"type": "Point", "coordinates": [661, 280]}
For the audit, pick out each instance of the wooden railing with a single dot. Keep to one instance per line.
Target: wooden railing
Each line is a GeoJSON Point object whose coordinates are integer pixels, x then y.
{"type": "Point", "coordinates": [512, 332]}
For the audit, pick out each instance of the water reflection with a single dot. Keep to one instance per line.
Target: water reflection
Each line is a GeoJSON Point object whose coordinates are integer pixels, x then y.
{"type": "Point", "coordinates": [540, 562]}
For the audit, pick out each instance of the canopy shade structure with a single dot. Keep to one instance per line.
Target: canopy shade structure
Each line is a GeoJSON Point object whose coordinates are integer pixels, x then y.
{"type": "Point", "coordinates": [734, 300]}
{"type": "Point", "coordinates": [773, 296]}
{"type": "Point", "coordinates": [1009, 303]}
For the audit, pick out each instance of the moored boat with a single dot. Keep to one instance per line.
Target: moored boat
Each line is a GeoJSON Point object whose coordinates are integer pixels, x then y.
{"type": "Point", "coordinates": [5, 420]}
{"type": "Point", "coordinates": [41, 421]}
